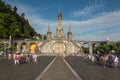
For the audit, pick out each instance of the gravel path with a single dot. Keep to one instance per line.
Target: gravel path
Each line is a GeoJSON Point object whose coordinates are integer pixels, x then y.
{"type": "Point", "coordinates": [26, 71]}
{"type": "Point", "coordinates": [89, 71]}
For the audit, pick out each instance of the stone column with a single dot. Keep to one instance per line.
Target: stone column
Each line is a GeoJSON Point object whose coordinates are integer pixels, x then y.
{"type": "Point", "coordinates": [19, 47]}
{"type": "Point", "coordinates": [90, 48]}
{"type": "Point", "coordinates": [81, 51]}
{"type": "Point", "coordinates": [28, 47]}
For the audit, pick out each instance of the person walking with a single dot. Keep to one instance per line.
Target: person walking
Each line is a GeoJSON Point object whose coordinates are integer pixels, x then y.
{"type": "Point", "coordinates": [116, 61]}
{"type": "Point", "coordinates": [9, 56]}
{"type": "Point", "coordinates": [16, 60]}
{"type": "Point", "coordinates": [93, 58]}
{"type": "Point", "coordinates": [28, 58]}
{"type": "Point", "coordinates": [110, 60]}
{"type": "Point", "coordinates": [35, 56]}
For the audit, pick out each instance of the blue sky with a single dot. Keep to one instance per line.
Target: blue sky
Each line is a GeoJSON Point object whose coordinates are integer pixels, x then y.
{"type": "Point", "coordinates": [91, 20]}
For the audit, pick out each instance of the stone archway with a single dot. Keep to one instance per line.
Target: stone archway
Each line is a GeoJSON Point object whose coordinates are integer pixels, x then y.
{"type": "Point", "coordinates": [59, 48]}
{"type": "Point", "coordinates": [15, 47]}
{"type": "Point", "coordinates": [85, 48]}
{"type": "Point", "coordinates": [24, 47]}
{"type": "Point", "coordinates": [89, 46]}
{"type": "Point", "coordinates": [32, 47]}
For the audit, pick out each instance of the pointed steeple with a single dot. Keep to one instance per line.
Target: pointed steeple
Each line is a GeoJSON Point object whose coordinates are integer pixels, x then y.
{"type": "Point", "coordinates": [70, 30]}
{"type": "Point", "coordinates": [69, 33]}
{"type": "Point", "coordinates": [49, 33]}
{"type": "Point", "coordinates": [59, 14]}
{"type": "Point", "coordinates": [59, 31]}
{"type": "Point", "coordinates": [49, 30]}
{"type": "Point", "coordinates": [108, 38]}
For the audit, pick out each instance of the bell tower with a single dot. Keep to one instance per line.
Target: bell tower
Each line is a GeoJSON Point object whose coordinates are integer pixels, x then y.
{"type": "Point", "coordinates": [59, 31]}
{"type": "Point", "coordinates": [69, 33]}
{"type": "Point", "coordinates": [49, 33]}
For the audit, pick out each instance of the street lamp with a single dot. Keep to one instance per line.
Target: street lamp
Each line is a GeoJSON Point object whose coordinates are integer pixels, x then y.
{"type": "Point", "coordinates": [4, 49]}
{"type": "Point", "coordinates": [42, 38]}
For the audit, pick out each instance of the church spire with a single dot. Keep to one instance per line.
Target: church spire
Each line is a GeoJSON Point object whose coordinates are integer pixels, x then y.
{"type": "Point", "coordinates": [49, 30]}
{"type": "Point", "coordinates": [70, 30]}
{"type": "Point", "coordinates": [59, 31]}
{"type": "Point", "coordinates": [60, 14]}
{"type": "Point", "coordinates": [49, 33]}
{"type": "Point", "coordinates": [69, 33]}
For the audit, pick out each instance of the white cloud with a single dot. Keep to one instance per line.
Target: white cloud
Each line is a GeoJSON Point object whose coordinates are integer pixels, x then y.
{"type": "Point", "coordinates": [101, 24]}
{"type": "Point", "coordinates": [88, 10]}
{"type": "Point", "coordinates": [107, 21]}
{"type": "Point", "coordinates": [83, 12]}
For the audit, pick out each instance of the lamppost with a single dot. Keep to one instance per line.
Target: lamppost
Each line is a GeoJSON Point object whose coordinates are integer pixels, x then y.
{"type": "Point", "coordinates": [42, 38]}
{"type": "Point", "coordinates": [4, 49]}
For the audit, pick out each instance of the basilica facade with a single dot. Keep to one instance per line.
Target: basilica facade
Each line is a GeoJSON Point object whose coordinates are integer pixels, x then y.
{"type": "Point", "coordinates": [59, 44]}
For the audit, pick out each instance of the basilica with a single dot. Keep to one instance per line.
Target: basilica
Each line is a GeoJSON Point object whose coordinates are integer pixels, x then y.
{"type": "Point", "coordinates": [59, 44]}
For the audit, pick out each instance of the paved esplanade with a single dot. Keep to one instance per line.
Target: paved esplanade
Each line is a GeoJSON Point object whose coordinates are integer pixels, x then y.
{"type": "Point", "coordinates": [58, 71]}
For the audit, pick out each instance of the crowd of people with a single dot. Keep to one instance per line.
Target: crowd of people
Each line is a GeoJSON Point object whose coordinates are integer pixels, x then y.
{"type": "Point", "coordinates": [108, 59]}
{"type": "Point", "coordinates": [23, 58]}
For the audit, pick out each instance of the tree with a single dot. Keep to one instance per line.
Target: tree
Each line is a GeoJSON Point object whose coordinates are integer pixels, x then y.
{"type": "Point", "coordinates": [85, 49]}
{"type": "Point", "coordinates": [108, 47]}
{"type": "Point", "coordinates": [13, 24]}
{"type": "Point", "coordinates": [15, 10]}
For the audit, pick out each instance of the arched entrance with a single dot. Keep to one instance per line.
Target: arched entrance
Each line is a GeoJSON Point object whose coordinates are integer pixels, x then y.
{"type": "Point", "coordinates": [85, 48]}
{"type": "Point", "coordinates": [59, 48]}
{"type": "Point", "coordinates": [15, 47]}
{"type": "Point", "coordinates": [32, 47]}
{"type": "Point", "coordinates": [24, 47]}
{"type": "Point", "coordinates": [88, 48]}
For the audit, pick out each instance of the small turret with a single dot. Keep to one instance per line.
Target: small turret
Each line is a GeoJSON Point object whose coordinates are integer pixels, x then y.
{"type": "Point", "coordinates": [69, 33]}
{"type": "Point", "coordinates": [108, 40]}
{"type": "Point", "coordinates": [49, 33]}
